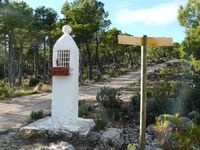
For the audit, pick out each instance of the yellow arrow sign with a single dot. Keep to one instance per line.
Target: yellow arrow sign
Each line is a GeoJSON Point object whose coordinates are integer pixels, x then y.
{"type": "Point", "coordinates": [151, 41]}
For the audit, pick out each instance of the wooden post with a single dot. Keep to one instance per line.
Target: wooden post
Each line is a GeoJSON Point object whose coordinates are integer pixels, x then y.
{"type": "Point", "coordinates": [143, 93]}
{"type": "Point", "coordinates": [143, 42]}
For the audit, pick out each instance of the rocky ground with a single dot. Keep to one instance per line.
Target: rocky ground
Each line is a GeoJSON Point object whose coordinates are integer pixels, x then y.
{"type": "Point", "coordinates": [110, 138]}
{"type": "Point", "coordinates": [14, 113]}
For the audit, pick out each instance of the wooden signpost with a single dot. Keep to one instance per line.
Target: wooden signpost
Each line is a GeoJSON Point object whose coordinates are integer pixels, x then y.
{"type": "Point", "coordinates": [144, 42]}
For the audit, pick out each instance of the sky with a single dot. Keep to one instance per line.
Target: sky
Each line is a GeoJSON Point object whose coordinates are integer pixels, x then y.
{"type": "Point", "coordinates": [155, 18]}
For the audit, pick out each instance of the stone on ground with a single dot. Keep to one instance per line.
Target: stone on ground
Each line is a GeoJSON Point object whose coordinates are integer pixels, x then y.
{"type": "Point", "coordinates": [148, 147]}
{"type": "Point", "coordinates": [192, 114]}
{"type": "Point", "coordinates": [60, 146]}
{"type": "Point", "coordinates": [113, 136]}
{"type": "Point", "coordinates": [185, 121]}
{"type": "Point", "coordinates": [3, 130]}
{"type": "Point", "coordinates": [82, 127]}
{"type": "Point", "coordinates": [150, 129]}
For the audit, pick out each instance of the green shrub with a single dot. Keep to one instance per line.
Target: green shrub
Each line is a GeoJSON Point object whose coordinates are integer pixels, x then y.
{"type": "Point", "coordinates": [131, 147]}
{"type": "Point", "coordinates": [111, 71]}
{"type": "Point", "coordinates": [34, 81]}
{"type": "Point", "coordinates": [97, 78]}
{"type": "Point", "coordinates": [113, 113]}
{"type": "Point", "coordinates": [158, 101]}
{"type": "Point", "coordinates": [37, 115]}
{"type": "Point", "coordinates": [127, 112]}
{"type": "Point", "coordinates": [24, 92]}
{"type": "Point", "coordinates": [135, 100]}
{"type": "Point", "coordinates": [190, 137]}
{"type": "Point", "coordinates": [196, 78]}
{"type": "Point", "coordinates": [101, 121]}
{"type": "Point", "coordinates": [197, 119]}
{"type": "Point", "coordinates": [5, 90]}
{"type": "Point", "coordinates": [155, 107]}
{"type": "Point", "coordinates": [83, 109]}
{"type": "Point", "coordinates": [190, 99]}
{"type": "Point", "coordinates": [174, 134]}
{"type": "Point", "coordinates": [109, 97]}
{"type": "Point", "coordinates": [163, 89]}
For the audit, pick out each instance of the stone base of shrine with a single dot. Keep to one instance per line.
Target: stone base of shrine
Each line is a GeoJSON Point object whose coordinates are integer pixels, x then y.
{"type": "Point", "coordinates": [45, 126]}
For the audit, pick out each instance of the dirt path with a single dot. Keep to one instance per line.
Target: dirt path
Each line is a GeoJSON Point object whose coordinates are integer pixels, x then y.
{"type": "Point", "coordinates": [15, 112]}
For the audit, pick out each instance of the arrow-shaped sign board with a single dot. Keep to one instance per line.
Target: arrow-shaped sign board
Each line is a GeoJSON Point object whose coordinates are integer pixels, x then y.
{"type": "Point", "coordinates": [144, 42]}
{"type": "Point", "coordinates": [151, 41]}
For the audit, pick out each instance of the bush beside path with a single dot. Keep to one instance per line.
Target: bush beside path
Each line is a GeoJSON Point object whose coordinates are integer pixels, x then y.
{"type": "Point", "coordinates": [15, 112]}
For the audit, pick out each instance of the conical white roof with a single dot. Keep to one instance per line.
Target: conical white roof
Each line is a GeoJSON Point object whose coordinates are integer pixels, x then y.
{"type": "Point", "coordinates": [65, 42]}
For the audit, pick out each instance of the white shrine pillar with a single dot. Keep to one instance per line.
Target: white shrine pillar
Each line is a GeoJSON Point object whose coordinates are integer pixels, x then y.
{"type": "Point", "coordinates": [65, 74]}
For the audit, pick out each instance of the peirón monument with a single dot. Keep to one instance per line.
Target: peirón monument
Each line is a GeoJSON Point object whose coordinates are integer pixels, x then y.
{"type": "Point", "coordinates": [65, 91]}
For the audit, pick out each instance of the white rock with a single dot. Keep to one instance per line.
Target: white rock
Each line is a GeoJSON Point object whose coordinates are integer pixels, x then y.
{"type": "Point", "coordinates": [3, 130]}
{"type": "Point", "coordinates": [113, 136]}
{"type": "Point", "coordinates": [81, 127]}
{"type": "Point", "coordinates": [60, 146]}
{"type": "Point", "coordinates": [148, 147]}
{"type": "Point", "coordinates": [192, 114]}
{"type": "Point", "coordinates": [183, 119]}
{"type": "Point", "coordinates": [150, 129]}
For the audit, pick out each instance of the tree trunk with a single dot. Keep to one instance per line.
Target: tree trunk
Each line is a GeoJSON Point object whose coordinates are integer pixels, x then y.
{"type": "Point", "coordinates": [44, 67]}
{"type": "Point", "coordinates": [10, 62]}
{"type": "Point", "coordinates": [114, 56]}
{"type": "Point", "coordinates": [131, 59]}
{"type": "Point", "coordinates": [20, 64]}
{"type": "Point", "coordinates": [35, 62]}
{"type": "Point", "coordinates": [5, 57]}
{"type": "Point", "coordinates": [97, 57]}
{"type": "Point", "coordinates": [50, 57]}
{"type": "Point", "coordinates": [14, 66]}
{"type": "Point", "coordinates": [80, 65]}
{"type": "Point", "coordinates": [90, 61]}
